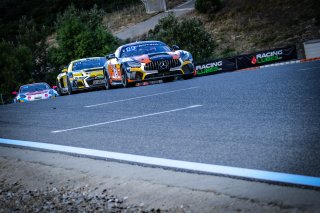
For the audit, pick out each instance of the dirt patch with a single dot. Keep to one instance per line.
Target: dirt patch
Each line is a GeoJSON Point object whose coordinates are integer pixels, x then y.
{"type": "Point", "coordinates": [124, 18]}
{"type": "Point", "coordinates": [32, 181]}
{"type": "Point", "coordinates": [242, 27]}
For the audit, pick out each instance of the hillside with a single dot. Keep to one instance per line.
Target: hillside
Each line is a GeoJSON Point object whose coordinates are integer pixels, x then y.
{"type": "Point", "coordinates": [239, 27]}
{"type": "Point", "coordinates": [29, 30]}
{"type": "Point", "coordinates": [250, 25]}
{"type": "Point", "coordinates": [45, 12]}
{"type": "Point", "coordinates": [245, 26]}
{"type": "Point", "coordinates": [120, 13]}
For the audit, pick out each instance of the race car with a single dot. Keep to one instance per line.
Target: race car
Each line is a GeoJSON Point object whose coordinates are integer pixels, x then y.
{"type": "Point", "coordinates": [81, 74]}
{"type": "Point", "coordinates": [146, 61]}
{"type": "Point", "coordinates": [33, 92]}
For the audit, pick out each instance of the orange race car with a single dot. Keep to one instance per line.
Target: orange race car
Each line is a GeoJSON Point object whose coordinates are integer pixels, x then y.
{"type": "Point", "coordinates": [146, 61]}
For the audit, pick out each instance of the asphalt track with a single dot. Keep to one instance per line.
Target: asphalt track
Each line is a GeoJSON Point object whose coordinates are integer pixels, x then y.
{"type": "Point", "coordinates": [266, 119]}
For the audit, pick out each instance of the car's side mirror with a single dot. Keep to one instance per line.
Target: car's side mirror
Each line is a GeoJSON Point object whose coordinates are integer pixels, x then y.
{"type": "Point", "coordinates": [110, 56]}
{"type": "Point", "coordinates": [14, 93]}
{"type": "Point", "coordinates": [175, 47]}
{"type": "Point", "coordinates": [64, 70]}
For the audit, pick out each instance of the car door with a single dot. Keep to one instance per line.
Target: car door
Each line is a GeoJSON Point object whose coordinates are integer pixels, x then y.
{"type": "Point", "coordinates": [114, 70]}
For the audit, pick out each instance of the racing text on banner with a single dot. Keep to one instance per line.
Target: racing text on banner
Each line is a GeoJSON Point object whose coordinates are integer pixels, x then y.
{"type": "Point", "coordinates": [266, 57]}
{"type": "Point", "coordinates": [216, 66]}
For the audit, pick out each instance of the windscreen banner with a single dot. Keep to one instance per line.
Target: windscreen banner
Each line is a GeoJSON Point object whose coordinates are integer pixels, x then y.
{"type": "Point", "coordinates": [216, 66]}
{"type": "Point", "coordinates": [266, 57]}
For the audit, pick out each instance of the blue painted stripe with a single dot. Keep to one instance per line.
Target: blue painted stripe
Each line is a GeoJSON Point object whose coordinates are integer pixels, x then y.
{"type": "Point", "coordinates": [192, 166]}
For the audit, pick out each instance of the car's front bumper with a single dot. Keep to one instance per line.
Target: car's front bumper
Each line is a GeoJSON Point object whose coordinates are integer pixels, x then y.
{"type": "Point", "coordinates": [139, 74]}
{"type": "Point", "coordinates": [87, 83]}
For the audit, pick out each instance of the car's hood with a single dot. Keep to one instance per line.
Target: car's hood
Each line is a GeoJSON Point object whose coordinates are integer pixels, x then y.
{"type": "Point", "coordinates": [92, 72]}
{"type": "Point", "coordinates": [36, 93]}
{"type": "Point", "coordinates": [146, 58]}
{"type": "Point", "coordinates": [89, 69]}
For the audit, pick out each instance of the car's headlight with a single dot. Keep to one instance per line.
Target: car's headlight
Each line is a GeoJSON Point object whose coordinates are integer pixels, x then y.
{"type": "Point", "coordinates": [186, 56]}
{"type": "Point", "coordinates": [23, 96]}
{"type": "Point", "coordinates": [133, 64]}
{"type": "Point", "coordinates": [51, 92]}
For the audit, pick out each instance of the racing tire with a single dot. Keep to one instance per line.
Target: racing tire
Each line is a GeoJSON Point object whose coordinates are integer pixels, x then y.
{"type": "Point", "coordinates": [188, 76]}
{"type": "Point", "coordinates": [59, 90]}
{"type": "Point", "coordinates": [125, 82]}
{"type": "Point", "coordinates": [70, 92]}
{"type": "Point", "coordinates": [168, 79]}
{"type": "Point", "coordinates": [107, 84]}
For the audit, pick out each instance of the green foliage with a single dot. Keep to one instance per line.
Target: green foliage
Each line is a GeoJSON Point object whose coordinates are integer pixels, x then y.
{"type": "Point", "coordinates": [208, 6]}
{"type": "Point", "coordinates": [24, 61]}
{"type": "Point", "coordinates": [16, 67]}
{"type": "Point", "coordinates": [44, 11]}
{"type": "Point", "coordinates": [31, 36]}
{"type": "Point", "coordinates": [29, 33]}
{"type": "Point", "coordinates": [80, 34]}
{"type": "Point", "coordinates": [188, 34]}
{"type": "Point", "coordinates": [315, 11]}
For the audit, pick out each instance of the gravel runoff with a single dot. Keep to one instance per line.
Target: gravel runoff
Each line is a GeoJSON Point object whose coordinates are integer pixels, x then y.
{"type": "Point", "coordinates": [18, 196]}
{"type": "Point", "coordinates": [13, 198]}
{"type": "Point", "coordinates": [32, 181]}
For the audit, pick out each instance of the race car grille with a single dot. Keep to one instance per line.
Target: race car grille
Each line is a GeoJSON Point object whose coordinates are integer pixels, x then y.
{"type": "Point", "coordinates": [163, 65]}
{"type": "Point", "coordinates": [161, 75]}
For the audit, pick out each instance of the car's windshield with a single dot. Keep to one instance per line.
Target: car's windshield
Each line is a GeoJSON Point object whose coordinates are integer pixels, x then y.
{"type": "Point", "coordinates": [144, 48]}
{"type": "Point", "coordinates": [34, 88]}
{"type": "Point", "coordinates": [88, 63]}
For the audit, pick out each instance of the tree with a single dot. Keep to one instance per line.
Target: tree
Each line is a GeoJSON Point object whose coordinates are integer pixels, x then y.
{"type": "Point", "coordinates": [188, 34]}
{"type": "Point", "coordinates": [16, 67]}
{"type": "Point", "coordinates": [34, 38]}
{"type": "Point", "coordinates": [208, 6]}
{"type": "Point", "coordinates": [81, 34]}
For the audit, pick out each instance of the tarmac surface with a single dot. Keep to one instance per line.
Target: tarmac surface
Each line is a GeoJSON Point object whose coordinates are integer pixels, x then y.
{"type": "Point", "coordinates": [267, 119]}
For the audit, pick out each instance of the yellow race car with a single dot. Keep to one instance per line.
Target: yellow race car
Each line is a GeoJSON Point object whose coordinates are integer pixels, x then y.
{"type": "Point", "coordinates": [146, 61]}
{"type": "Point", "coordinates": [81, 74]}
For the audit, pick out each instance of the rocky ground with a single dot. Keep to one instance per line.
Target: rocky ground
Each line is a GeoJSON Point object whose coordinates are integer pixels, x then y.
{"type": "Point", "coordinates": [33, 181]}
{"type": "Point", "coordinates": [14, 198]}
{"type": "Point", "coordinates": [19, 194]}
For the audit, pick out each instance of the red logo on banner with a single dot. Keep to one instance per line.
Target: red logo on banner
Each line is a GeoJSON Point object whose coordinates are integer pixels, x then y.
{"type": "Point", "coordinates": [253, 60]}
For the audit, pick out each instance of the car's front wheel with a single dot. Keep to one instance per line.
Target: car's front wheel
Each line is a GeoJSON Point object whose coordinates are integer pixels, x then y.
{"type": "Point", "coordinates": [107, 84]}
{"type": "Point", "coordinates": [125, 81]}
{"type": "Point", "coordinates": [70, 92]}
{"type": "Point", "coordinates": [59, 90]}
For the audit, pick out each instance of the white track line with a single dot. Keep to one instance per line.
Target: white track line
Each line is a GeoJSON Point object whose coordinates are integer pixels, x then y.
{"type": "Point", "coordinates": [125, 119]}
{"type": "Point", "coordinates": [176, 164]}
{"type": "Point", "coordinates": [144, 96]}
{"type": "Point", "coordinates": [310, 68]}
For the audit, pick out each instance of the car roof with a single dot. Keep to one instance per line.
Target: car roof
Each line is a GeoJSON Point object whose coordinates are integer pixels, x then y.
{"type": "Point", "coordinates": [142, 42]}
{"type": "Point", "coordinates": [34, 84]}
{"type": "Point", "coordinates": [83, 59]}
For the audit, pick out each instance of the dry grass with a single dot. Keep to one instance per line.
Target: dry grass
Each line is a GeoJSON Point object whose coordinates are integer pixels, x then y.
{"type": "Point", "coordinates": [118, 20]}
{"type": "Point", "coordinates": [249, 25]}
{"type": "Point", "coordinates": [172, 3]}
